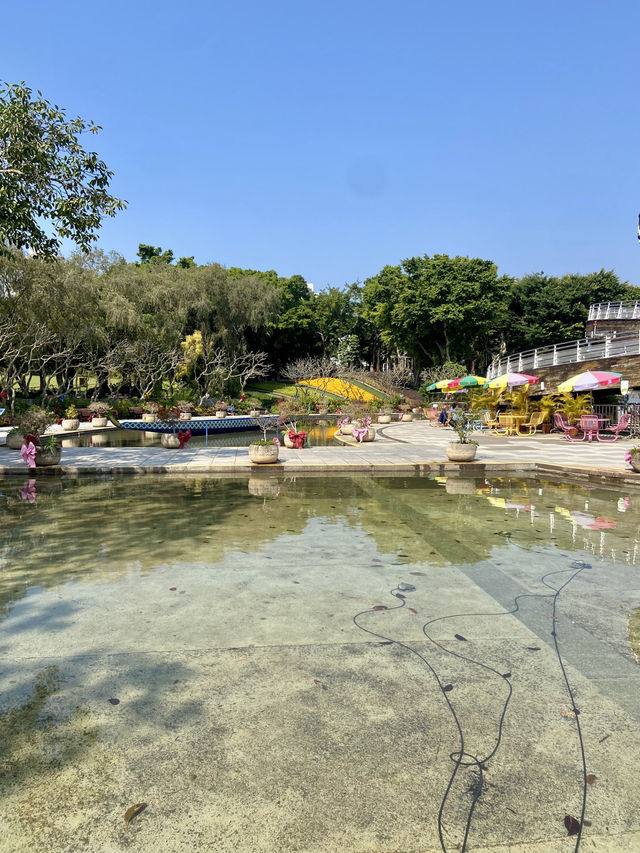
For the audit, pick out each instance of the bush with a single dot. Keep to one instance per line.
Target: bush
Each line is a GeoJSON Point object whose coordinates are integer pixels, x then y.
{"type": "Point", "coordinates": [35, 420]}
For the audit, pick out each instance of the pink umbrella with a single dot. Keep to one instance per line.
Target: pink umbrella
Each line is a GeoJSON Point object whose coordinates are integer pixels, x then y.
{"type": "Point", "coordinates": [589, 380]}
{"type": "Point", "coordinates": [511, 380]}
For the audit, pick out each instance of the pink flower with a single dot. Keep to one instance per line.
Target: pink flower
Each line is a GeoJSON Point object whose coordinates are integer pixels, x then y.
{"type": "Point", "coordinates": [276, 440]}
{"type": "Point", "coordinates": [627, 457]}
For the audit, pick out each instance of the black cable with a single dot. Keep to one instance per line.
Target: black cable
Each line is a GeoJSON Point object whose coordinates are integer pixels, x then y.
{"type": "Point", "coordinates": [458, 757]}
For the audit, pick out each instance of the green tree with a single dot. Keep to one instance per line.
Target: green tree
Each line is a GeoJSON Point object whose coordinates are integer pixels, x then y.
{"type": "Point", "coordinates": [545, 309]}
{"type": "Point", "coordinates": [47, 177]}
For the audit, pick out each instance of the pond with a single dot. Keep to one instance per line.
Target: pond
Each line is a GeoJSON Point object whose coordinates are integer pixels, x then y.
{"type": "Point", "coordinates": [316, 664]}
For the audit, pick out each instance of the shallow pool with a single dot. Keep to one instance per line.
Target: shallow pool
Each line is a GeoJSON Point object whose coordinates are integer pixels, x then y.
{"type": "Point", "coordinates": [314, 664]}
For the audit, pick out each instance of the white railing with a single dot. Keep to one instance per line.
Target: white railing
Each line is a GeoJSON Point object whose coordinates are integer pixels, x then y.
{"type": "Point", "coordinates": [585, 349]}
{"type": "Point", "coordinates": [615, 310]}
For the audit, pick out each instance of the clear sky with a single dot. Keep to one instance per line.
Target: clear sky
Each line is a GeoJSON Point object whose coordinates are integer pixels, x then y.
{"type": "Point", "coordinates": [329, 139]}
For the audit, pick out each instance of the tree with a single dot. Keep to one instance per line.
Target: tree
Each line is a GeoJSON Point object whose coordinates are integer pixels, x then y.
{"type": "Point", "coordinates": [46, 175]}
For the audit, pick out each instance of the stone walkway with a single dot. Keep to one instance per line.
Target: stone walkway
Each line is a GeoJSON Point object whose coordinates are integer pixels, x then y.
{"type": "Point", "coordinates": [402, 448]}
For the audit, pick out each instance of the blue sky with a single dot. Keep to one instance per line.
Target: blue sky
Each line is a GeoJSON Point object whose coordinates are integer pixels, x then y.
{"type": "Point", "coordinates": [332, 139]}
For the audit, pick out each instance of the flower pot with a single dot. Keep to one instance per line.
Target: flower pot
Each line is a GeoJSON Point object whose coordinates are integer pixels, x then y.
{"type": "Point", "coordinates": [15, 441]}
{"type": "Point", "coordinates": [185, 416]}
{"type": "Point", "coordinates": [45, 458]}
{"type": "Point", "coordinates": [347, 429]}
{"type": "Point", "coordinates": [407, 417]}
{"type": "Point", "coordinates": [384, 419]}
{"type": "Point", "coordinates": [254, 413]}
{"type": "Point", "coordinates": [287, 441]}
{"type": "Point", "coordinates": [371, 434]}
{"type": "Point", "coordinates": [323, 411]}
{"type": "Point", "coordinates": [635, 462]}
{"type": "Point", "coordinates": [70, 424]}
{"type": "Point", "coordinates": [169, 440]}
{"type": "Point", "coordinates": [149, 416]}
{"type": "Point", "coordinates": [457, 452]}
{"type": "Point", "coordinates": [221, 414]}
{"type": "Point", "coordinates": [98, 422]}
{"type": "Point", "coordinates": [262, 454]}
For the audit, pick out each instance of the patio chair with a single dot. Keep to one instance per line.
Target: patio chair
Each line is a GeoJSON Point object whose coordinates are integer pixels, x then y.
{"type": "Point", "coordinates": [489, 422]}
{"type": "Point", "coordinates": [536, 419]}
{"type": "Point", "coordinates": [616, 429]}
{"type": "Point", "coordinates": [563, 424]}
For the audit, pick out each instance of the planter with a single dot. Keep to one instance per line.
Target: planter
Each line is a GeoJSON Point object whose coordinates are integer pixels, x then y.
{"type": "Point", "coordinates": [254, 413]}
{"type": "Point", "coordinates": [407, 417]}
{"type": "Point", "coordinates": [545, 428]}
{"type": "Point", "coordinates": [457, 452]}
{"type": "Point", "coordinates": [263, 454]}
{"type": "Point", "coordinates": [371, 434]}
{"type": "Point", "coordinates": [170, 440]}
{"type": "Point", "coordinates": [149, 417]}
{"type": "Point", "coordinates": [384, 419]}
{"type": "Point", "coordinates": [323, 411]}
{"type": "Point", "coordinates": [46, 458]}
{"type": "Point", "coordinates": [185, 416]}
{"type": "Point", "coordinates": [635, 462]}
{"type": "Point", "coordinates": [221, 414]}
{"type": "Point", "coordinates": [70, 424]}
{"type": "Point", "coordinates": [15, 441]}
{"type": "Point", "coordinates": [98, 422]}
{"type": "Point", "coordinates": [347, 429]}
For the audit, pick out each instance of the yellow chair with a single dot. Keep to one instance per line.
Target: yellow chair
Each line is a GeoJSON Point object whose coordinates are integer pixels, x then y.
{"type": "Point", "coordinates": [536, 420]}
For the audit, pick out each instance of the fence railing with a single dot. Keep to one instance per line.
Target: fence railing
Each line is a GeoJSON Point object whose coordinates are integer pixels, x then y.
{"type": "Point", "coordinates": [629, 310]}
{"type": "Point", "coordinates": [614, 411]}
{"type": "Point", "coordinates": [584, 349]}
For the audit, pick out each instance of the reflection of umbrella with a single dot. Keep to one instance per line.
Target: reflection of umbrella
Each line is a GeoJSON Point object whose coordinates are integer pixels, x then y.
{"type": "Point", "coordinates": [589, 380]}
{"type": "Point", "coordinates": [590, 522]}
{"type": "Point", "coordinates": [468, 382]}
{"type": "Point", "coordinates": [511, 380]}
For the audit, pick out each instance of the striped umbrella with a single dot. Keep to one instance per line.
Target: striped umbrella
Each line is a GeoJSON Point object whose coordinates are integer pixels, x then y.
{"type": "Point", "coordinates": [442, 385]}
{"type": "Point", "coordinates": [470, 381]}
{"type": "Point", "coordinates": [589, 380]}
{"type": "Point", "coordinates": [511, 380]}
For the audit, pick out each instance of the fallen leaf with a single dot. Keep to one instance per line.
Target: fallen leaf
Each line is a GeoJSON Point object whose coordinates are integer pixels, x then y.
{"type": "Point", "coordinates": [460, 637]}
{"type": "Point", "coordinates": [192, 776]}
{"type": "Point", "coordinates": [566, 713]}
{"type": "Point", "coordinates": [591, 778]}
{"type": "Point", "coordinates": [586, 822]}
{"type": "Point", "coordinates": [400, 595]}
{"type": "Point", "coordinates": [379, 607]}
{"type": "Point", "coordinates": [506, 675]}
{"type": "Point", "coordinates": [295, 581]}
{"type": "Point", "coordinates": [133, 812]}
{"type": "Point", "coordinates": [413, 610]}
{"type": "Point", "coordinates": [173, 588]}
{"type": "Point", "coordinates": [572, 825]}
{"type": "Point", "coordinates": [533, 648]}
{"type": "Point", "coordinates": [448, 687]}
{"type": "Point", "coordinates": [114, 701]}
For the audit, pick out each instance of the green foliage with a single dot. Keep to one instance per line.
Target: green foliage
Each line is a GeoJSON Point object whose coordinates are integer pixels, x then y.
{"type": "Point", "coordinates": [47, 176]}
{"type": "Point", "coordinates": [545, 309]}
{"type": "Point", "coordinates": [35, 420]}
{"type": "Point", "coordinates": [71, 412]}
{"type": "Point", "coordinates": [573, 407]}
{"type": "Point", "coordinates": [49, 443]}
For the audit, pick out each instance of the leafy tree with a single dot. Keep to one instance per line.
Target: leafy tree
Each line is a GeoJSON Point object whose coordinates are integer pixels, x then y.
{"type": "Point", "coordinates": [546, 310]}
{"type": "Point", "coordinates": [47, 176]}
{"type": "Point", "coordinates": [439, 308]}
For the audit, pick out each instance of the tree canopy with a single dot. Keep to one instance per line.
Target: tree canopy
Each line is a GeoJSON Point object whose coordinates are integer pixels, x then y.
{"type": "Point", "coordinates": [47, 177]}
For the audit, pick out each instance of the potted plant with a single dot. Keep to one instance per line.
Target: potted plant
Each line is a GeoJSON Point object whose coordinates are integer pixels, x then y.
{"type": "Point", "coordinates": [71, 421]}
{"type": "Point", "coordinates": [151, 410]}
{"type": "Point", "coordinates": [263, 451]}
{"type": "Point", "coordinates": [464, 449]}
{"type": "Point", "coordinates": [32, 421]}
{"type": "Point", "coordinates": [633, 458]}
{"type": "Point", "coordinates": [185, 409]}
{"type": "Point", "coordinates": [15, 438]}
{"type": "Point", "coordinates": [99, 412]}
{"type": "Point", "coordinates": [221, 408]}
{"type": "Point", "coordinates": [48, 452]}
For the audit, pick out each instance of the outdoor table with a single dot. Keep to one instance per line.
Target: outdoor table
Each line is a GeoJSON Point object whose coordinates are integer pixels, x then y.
{"type": "Point", "coordinates": [590, 426]}
{"type": "Point", "coordinates": [511, 423]}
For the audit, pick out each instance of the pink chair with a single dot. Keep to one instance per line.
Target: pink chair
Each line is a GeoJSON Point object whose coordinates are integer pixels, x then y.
{"type": "Point", "coordinates": [562, 423]}
{"type": "Point", "coordinates": [616, 429]}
